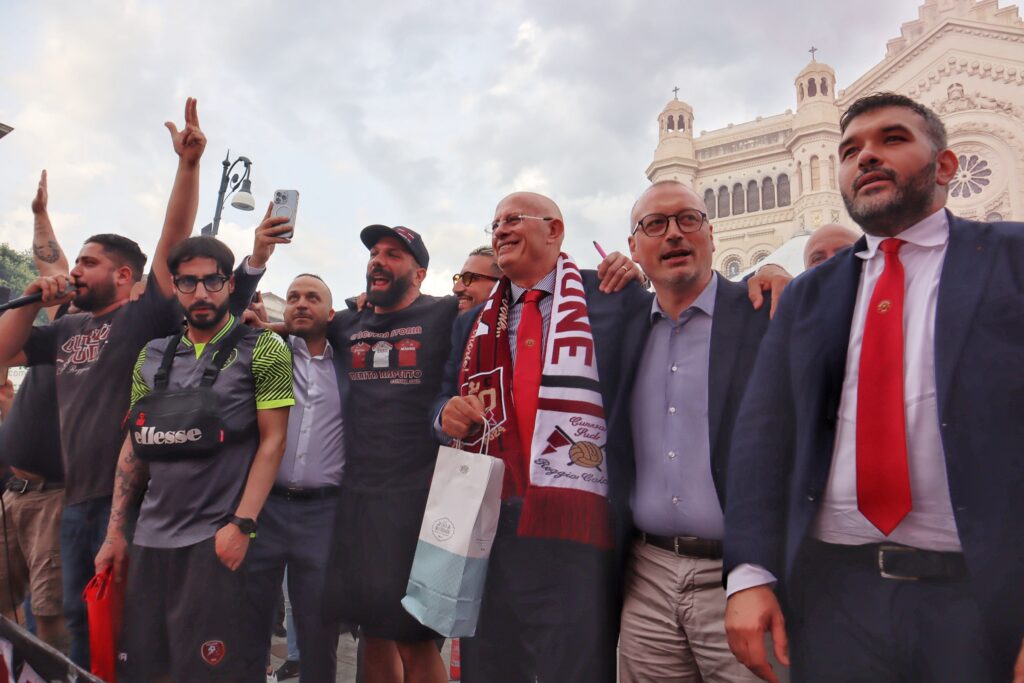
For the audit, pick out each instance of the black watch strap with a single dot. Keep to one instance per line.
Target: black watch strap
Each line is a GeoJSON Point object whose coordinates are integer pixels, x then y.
{"type": "Point", "coordinates": [245, 525]}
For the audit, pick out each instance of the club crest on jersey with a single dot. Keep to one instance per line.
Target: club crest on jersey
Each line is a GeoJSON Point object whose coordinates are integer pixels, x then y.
{"type": "Point", "coordinates": [213, 652]}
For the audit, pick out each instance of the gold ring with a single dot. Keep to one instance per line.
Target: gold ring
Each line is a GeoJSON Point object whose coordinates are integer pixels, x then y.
{"type": "Point", "coordinates": [625, 267]}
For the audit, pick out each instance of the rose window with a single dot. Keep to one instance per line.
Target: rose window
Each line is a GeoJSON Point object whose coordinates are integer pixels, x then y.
{"type": "Point", "coordinates": [971, 177]}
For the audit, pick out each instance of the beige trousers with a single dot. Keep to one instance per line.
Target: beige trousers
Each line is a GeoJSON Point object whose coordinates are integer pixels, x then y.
{"type": "Point", "coordinates": [673, 628]}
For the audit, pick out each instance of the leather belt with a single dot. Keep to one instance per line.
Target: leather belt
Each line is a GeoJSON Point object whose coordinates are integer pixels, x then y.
{"type": "Point", "coordinates": [904, 563]}
{"type": "Point", "coordinates": [691, 546]}
{"type": "Point", "coordinates": [300, 493]}
{"type": "Point", "coordinates": [25, 485]}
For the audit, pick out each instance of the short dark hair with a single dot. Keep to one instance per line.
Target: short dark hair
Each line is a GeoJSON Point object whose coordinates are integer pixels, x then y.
{"type": "Point", "coordinates": [122, 251]}
{"type": "Point", "coordinates": [933, 125]}
{"type": "Point", "coordinates": [201, 247]}
{"type": "Point", "coordinates": [330, 295]}
{"type": "Point", "coordinates": [312, 275]}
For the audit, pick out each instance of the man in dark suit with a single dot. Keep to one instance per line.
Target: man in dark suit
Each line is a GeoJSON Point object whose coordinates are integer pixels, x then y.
{"type": "Point", "coordinates": [687, 358]}
{"type": "Point", "coordinates": [875, 472]}
{"type": "Point", "coordinates": [547, 607]}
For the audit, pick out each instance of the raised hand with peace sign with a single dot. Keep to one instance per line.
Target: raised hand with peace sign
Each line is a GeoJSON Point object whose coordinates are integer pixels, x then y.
{"type": "Point", "coordinates": [189, 142]}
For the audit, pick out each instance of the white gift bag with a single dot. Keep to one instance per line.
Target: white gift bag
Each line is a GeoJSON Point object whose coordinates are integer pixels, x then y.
{"type": "Point", "coordinates": [449, 570]}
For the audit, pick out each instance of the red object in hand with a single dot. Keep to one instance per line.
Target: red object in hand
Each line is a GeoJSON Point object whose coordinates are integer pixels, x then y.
{"type": "Point", "coordinates": [105, 600]}
{"type": "Point", "coordinates": [455, 669]}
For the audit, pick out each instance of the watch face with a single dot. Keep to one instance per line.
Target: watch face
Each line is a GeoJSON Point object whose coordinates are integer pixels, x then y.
{"type": "Point", "coordinates": [247, 526]}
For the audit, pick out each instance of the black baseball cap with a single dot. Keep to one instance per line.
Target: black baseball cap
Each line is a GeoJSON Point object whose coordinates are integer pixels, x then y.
{"type": "Point", "coordinates": [371, 234]}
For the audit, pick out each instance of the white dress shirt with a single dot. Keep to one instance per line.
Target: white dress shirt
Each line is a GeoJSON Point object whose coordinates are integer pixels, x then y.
{"type": "Point", "coordinates": [929, 524]}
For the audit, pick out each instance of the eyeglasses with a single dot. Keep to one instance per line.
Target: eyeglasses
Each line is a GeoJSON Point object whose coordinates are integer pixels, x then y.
{"type": "Point", "coordinates": [513, 221]}
{"type": "Point", "coordinates": [656, 224]}
{"type": "Point", "coordinates": [469, 278]}
{"type": "Point", "coordinates": [186, 284]}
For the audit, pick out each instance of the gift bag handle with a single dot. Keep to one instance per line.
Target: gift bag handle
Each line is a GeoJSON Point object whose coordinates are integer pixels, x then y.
{"type": "Point", "coordinates": [484, 441]}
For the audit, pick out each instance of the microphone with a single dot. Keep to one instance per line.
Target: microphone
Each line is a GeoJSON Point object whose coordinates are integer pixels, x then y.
{"type": "Point", "coordinates": [28, 299]}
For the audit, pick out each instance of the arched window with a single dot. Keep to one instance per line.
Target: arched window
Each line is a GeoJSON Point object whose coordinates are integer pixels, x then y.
{"type": "Point", "coordinates": [671, 123]}
{"type": "Point", "coordinates": [824, 86]}
{"type": "Point", "coordinates": [815, 174]}
{"type": "Point", "coordinates": [783, 190]}
{"type": "Point", "coordinates": [732, 266]}
{"type": "Point", "coordinates": [753, 197]}
{"type": "Point", "coordinates": [723, 201]}
{"type": "Point", "coordinates": [682, 123]}
{"type": "Point", "coordinates": [758, 257]}
{"type": "Point", "coordinates": [737, 199]}
{"type": "Point", "coordinates": [812, 88]}
{"type": "Point", "coordinates": [767, 193]}
{"type": "Point", "coordinates": [709, 201]}
{"type": "Point", "coordinates": [832, 171]}
{"type": "Point", "coordinates": [801, 91]}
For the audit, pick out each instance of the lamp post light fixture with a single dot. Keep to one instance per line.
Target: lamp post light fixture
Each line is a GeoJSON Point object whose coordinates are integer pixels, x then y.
{"type": "Point", "coordinates": [230, 183]}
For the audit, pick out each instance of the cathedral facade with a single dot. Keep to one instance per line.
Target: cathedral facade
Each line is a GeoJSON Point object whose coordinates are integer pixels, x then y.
{"type": "Point", "coordinates": [768, 180]}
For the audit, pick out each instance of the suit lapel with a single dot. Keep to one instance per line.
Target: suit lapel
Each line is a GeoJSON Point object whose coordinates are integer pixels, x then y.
{"type": "Point", "coordinates": [964, 273]}
{"type": "Point", "coordinates": [834, 309]}
{"type": "Point", "coordinates": [726, 338]}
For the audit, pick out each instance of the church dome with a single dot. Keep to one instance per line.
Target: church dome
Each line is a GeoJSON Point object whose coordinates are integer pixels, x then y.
{"type": "Point", "coordinates": [676, 118]}
{"type": "Point", "coordinates": [816, 82]}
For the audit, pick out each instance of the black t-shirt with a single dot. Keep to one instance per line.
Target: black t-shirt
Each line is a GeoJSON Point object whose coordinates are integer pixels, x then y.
{"type": "Point", "coordinates": [94, 357]}
{"type": "Point", "coordinates": [30, 436]}
{"type": "Point", "coordinates": [394, 363]}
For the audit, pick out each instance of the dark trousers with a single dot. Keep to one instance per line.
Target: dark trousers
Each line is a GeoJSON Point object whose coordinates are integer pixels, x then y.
{"type": "Point", "coordinates": [83, 528]}
{"type": "Point", "coordinates": [296, 534]}
{"type": "Point", "coordinates": [847, 623]}
{"type": "Point", "coordinates": [546, 613]}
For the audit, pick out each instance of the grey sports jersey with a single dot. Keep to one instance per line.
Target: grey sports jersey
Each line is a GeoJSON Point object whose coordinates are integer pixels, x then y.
{"type": "Point", "coordinates": [188, 500]}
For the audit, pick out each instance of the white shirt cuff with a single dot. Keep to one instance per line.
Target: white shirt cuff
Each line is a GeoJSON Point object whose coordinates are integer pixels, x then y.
{"type": "Point", "coordinates": [747, 576]}
{"type": "Point", "coordinates": [249, 270]}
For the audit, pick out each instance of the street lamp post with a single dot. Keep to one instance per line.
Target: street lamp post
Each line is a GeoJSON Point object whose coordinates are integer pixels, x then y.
{"type": "Point", "coordinates": [230, 182]}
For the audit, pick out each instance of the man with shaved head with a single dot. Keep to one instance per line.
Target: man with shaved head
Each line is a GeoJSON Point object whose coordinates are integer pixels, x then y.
{"type": "Point", "coordinates": [825, 242]}
{"type": "Point", "coordinates": [539, 362]}
{"type": "Point", "coordinates": [687, 357]}
{"type": "Point", "coordinates": [296, 523]}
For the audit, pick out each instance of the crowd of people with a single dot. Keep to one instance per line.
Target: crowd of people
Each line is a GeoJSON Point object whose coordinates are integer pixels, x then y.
{"type": "Point", "coordinates": [690, 463]}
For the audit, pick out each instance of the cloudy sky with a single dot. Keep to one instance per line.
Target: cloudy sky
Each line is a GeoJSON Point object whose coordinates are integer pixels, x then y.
{"type": "Point", "coordinates": [405, 112]}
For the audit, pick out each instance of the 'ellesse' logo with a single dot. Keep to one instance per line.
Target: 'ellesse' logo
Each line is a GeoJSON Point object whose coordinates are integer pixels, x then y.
{"type": "Point", "coordinates": [149, 436]}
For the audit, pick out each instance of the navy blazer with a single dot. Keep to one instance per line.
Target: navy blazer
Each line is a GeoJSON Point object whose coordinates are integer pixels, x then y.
{"type": "Point", "coordinates": [736, 332]}
{"type": "Point", "coordinates": [783, 445]}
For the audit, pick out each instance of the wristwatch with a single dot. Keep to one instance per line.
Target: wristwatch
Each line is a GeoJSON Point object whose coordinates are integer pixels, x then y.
{"type": "Point", "coordinates": [245, 525]}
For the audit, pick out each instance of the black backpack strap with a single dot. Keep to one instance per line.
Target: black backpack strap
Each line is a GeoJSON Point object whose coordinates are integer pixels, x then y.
{"type": "Point", "coordinates": [220, 359]}
{"type": "Point", "coordinates": [163, 373]}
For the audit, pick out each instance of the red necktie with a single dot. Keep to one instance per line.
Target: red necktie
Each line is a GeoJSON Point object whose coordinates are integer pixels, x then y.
{"type": "Point", "coordinates": [526, 375]}
{"type": "Point", "coordinates": [883, 477]}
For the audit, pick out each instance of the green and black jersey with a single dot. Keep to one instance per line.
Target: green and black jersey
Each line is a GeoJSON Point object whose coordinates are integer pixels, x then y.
{"type": "Point", "coordinates": [188, 500]}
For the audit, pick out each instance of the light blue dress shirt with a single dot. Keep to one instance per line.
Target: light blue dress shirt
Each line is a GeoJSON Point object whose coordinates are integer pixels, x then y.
{"type": "Point", "coordinates": [675, 492]}
{"type": "Point", "coordinates": [314, 455]}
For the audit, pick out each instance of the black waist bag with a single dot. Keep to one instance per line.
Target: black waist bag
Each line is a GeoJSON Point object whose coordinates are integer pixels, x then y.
{"type": "Point", "coordinates": [184, 423]}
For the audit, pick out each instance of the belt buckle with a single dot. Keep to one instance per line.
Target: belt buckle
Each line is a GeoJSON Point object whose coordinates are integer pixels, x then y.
{"type": "Point", "coordinates": [675, 542]}
{"type": "Point", "coordinates": [888, 548]}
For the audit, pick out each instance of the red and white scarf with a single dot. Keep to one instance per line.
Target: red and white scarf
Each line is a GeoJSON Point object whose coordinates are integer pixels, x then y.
{"type": "Point", "coordinates": [563, 478]}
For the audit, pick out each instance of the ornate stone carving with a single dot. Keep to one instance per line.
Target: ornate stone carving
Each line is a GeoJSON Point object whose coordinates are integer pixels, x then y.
{"type": "Point", "coordinates": [973, 176]}
{"type": "Point", "coordinates": [956, 100]}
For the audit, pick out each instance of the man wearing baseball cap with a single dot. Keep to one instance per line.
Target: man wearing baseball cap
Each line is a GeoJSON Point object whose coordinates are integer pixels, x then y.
{"type": "Point", "coordinates": [394, 351]}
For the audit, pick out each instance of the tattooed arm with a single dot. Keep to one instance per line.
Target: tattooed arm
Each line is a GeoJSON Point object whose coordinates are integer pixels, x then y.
{"type": "Point", "coordinates": [49, 257]}
{"type": "Point", "coordinates": [129, 480]}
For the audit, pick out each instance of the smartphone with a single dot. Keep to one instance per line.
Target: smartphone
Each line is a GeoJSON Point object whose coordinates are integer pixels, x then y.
{"type": "Point", "coordinates": [286, 203]}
